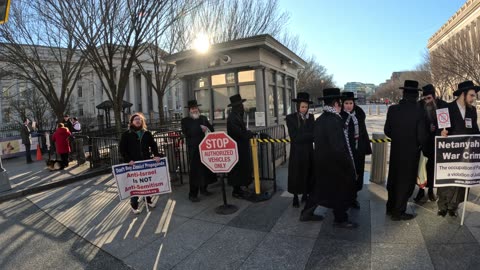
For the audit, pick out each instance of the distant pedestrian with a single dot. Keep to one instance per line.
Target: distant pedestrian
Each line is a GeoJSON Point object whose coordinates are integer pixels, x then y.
{"type": "Point", "coordinates": [354, 119]}
{"type": "Point", "coordinates": [67, 122]}
{"type": "Point", "coordinates": [241, 174]}
{"type": "Point", "coordinates": [463, 119]}
{"type": "Point", "coordinates": [62, 143]}
{"type": "Point", "coordinates": [300, 166]}
{"type": "Point", "coordinates": [194, 128]}
{"type": "Point", "coordinates": [78, 141]}
{"type": "Point", "coordinates": [430, 103]}
{"type": "Point", "coordinates": [137, 144]}
{"type": "Point", "coordinates": [405, 125]}
{"type": "Point", "coordinates": [25, 133]}
{"type": "Point", "coordinates": [334, 185]}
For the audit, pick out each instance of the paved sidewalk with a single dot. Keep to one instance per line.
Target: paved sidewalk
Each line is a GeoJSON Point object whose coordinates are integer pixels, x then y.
{"type": "Point", "coordinates": [178, 234]}
{"type": "Point", "coordinates": [26, 178]}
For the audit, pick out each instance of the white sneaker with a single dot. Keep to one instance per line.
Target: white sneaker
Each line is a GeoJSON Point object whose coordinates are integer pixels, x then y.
{"type": "Point", "coordinates": [136, 211]}
{"type": "Point", "coordinates": [152, 205]}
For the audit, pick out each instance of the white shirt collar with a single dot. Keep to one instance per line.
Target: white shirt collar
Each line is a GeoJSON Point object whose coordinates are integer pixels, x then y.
{"type": "Point", "coordinates": [462, 109]}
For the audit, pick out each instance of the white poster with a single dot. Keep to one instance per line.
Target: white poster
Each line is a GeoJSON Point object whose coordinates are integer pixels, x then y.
{"type": "Point", "coordinates": [144, 178]}
{"type": "Point", "coordinates": [443, 118]}
{"type": "Point", "coordinates": [260, 119]}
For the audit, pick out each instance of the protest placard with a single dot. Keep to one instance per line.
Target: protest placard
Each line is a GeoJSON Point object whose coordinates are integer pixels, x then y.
{"type": "Point", "coordinates": [144, 178]}
{"type": "Point", "coordinates": [457, 161]}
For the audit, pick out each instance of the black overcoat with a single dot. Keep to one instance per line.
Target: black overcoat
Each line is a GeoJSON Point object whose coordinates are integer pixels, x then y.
{"type": "Point", "coordinates": [334, 167]}
{"type": "Point", "coordinates": [199, 175]}
{"type": "Point", "coordinates": [428, 149]}
{"type": "Point", "coordinates": [132, 147]}
{"type": "Point", "coordinates": [300, 166]}
{"type": "Point", "coordinates": [241, 173]}
{"type": "Point", "coordinates": [364, 148]}
{"type": "Point", "coordinates": [405, 125]}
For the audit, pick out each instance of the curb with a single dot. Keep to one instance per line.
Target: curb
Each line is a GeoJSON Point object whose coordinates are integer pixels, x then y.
{"type": "Point", "coordinates": [33, 190]}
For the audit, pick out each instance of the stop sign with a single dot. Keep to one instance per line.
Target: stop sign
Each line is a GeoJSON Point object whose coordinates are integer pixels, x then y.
{"type": "Point", "coordinates": [218, 152]}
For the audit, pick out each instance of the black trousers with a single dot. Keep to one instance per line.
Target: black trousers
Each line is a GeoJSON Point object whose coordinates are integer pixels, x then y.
{"type": "Point", "coordinates": [194, 189]}
{"type": "Point", "coordinates": [398, 195]}
{"type": "Point", "coordinates": [64, 158]}
{"type": "Point", "coordinates": [339, 209]}
{"type": "Point", "coordinates": [450, 197]}
{"type": "Point", "coordinates": [430, 172]}
{"type": "Point", "coordinates": [134, 201]}
{"type": "Point", "coordinates": [28, 153]}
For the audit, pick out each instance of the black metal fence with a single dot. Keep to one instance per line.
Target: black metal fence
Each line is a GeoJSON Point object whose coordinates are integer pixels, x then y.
{"type": "Point", "coordinates": [172, 145]}
{"type": "Point", "coordinates": [102, 152]}
{"type": "Point", "coordinates": [277, 132]}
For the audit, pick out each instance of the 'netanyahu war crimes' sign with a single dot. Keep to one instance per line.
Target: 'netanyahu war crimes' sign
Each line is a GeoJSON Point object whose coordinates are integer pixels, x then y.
{"type": "Point", "coordinates": [144, 178]}
{"type": "Point", "coordinates": [457, 161]}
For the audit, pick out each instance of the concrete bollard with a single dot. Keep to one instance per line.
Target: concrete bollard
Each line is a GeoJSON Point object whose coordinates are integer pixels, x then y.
{"type": "Point", "coordinates": [4, 180]}
{"type": "Point", "coordinates": [370, 110]}
{"type": "Point", "coordinates": [378, 110]}
{"type": "Point", "coordinates": [378, 171]}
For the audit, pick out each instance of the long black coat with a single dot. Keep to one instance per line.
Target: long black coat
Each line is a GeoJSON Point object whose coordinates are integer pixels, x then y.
{"type": "Point", "coordinates": [364, 148]}
{"type": "Point", "coordinates": [405, 125]}
{"type": "Point", "coordinates": [300, 164]}
{"type": "Point", "coordinates": [451, 197]}
{"type": "Point", "coordinates": [136, 148]}
{"type": "Point", "coordinates": [241, 173]}
{"type": "Point", "coordinates": [199, 174]}
{"type": "Point", "coordinates": [334, 167]}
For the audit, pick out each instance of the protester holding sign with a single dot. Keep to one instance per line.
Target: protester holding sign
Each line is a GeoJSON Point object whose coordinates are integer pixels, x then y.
{"type": "Point", "coordinates": [354, 118]}
{"type": "Point", "coordinates": [300, 165]}
{"type": "Point", "coordinates": [194, 128]}
{"type": "Point", "coordinates": [137, 144]}
{"type": "Point", "coordinates": [463, 118]}
{"type": "Point", "coordinates": [430, 103]}
{"type": "Point", "coordinates": [405, 125]}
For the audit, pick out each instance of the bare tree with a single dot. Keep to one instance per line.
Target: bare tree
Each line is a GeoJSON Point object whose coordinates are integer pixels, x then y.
{"type": "Point", "coordinates": [314, 78]}
{"type": "Point", "coordinates": [40, 53]}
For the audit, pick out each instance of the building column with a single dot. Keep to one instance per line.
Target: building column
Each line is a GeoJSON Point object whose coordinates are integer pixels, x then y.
{"type": "Point", "coordinates": [154, 95]}
{"type": "Point", "coordinates": [131, 91]}
{"type": "Point", "coordinates": [143, 88]}
{"type": "Point", "coordinates": [260, 92]}
{"type": "Point", "coordinates": [185, 88]}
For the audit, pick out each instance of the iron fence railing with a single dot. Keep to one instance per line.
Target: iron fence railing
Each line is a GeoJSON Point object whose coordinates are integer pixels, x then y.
{"type": "Point", "coordinates": [277, 132]}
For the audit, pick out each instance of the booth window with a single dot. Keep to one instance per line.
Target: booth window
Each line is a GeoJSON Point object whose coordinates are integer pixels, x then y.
{"type": "Point", "coordinates": [203, 97]}
{"type": "Point", "coordinates": [249, 93]}
{"type": "Point", "coordinates": [246, 76]}
{"type": "Point", "coordinates": [221, 100]}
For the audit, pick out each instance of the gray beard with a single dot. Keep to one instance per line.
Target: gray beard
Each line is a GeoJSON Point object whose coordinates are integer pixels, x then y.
{"type": "Point", "coordinates": [431, 110]}
{"type": "Point", "coordinates": [195, 115]}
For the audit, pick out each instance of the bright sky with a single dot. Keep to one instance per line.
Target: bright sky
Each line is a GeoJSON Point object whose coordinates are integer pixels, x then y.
{"type": "Point", "coordinates": [366, 40]}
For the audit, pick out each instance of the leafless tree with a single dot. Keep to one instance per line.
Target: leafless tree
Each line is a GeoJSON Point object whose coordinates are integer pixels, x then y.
{"type": "Point", "coordinates": [38, 52]}
{"type": "Point", "coordinates": [112, 35]}
{"type": "Point", "coordinates": [29, 103]}
{"type": "Point", "coordinates": [314, 78]}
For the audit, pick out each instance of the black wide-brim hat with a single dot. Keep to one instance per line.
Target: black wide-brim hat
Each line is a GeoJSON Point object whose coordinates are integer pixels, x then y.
{"type": "Point", "coordinates": [410, 85]}
{"type": "Point", "coordinates": [428, 89]}
{"type": "Point", "coordinates": [330, 93]}
{"type": "Point", "coordinates": [465, 86]}
{"type": "Point", "coordinates": [348, 96]}
{"type": "Point", "coordinates": [302, 97]}
{"type": "Point", "coordinates": [192, 103]}
{"type": "Point", "coordinates": [235, 100]}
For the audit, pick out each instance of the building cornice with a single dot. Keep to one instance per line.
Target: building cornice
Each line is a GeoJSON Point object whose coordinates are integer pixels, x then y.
{"type": "Point", "coordinates": [466, 10]}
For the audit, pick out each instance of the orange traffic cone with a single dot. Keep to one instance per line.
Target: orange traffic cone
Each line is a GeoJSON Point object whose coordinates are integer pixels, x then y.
{"type": "Point", "coordinates": [39, 153]}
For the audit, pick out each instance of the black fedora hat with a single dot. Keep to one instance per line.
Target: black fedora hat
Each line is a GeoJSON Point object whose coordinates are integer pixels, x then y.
{"type": "Point", "coordinates": [192, 103]}
{"type": "Point", "coordinates": [428, 89]}
{"type": "Point", "coordinates": [302, 97]}
{"type": "Point", "coordinates": [410, 85]}
{"type": "Point", "coordinates": [330, 93]}
{"type": "Point", "coordinates": [465, 86]}
{"type": "Point", "coordinates": [236, 99]}
{"type": "Point", "coordinates": [348, 96]}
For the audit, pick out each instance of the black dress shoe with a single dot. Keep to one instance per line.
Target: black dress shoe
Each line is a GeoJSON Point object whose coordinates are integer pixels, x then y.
{"type": "Point", "coordinates": [308, 215]}
{"type": "Point", "coordinates": [420, 195]}
{"type": "Point", "coordinates": [452, 213]}
{"type": "Point", "coordinates": [403, 216]}
{"type": "Point", "coordinates": [355, 205]}
{"type": "Point", "coordinates": [193, 198]}
{"type": "Point", "coordinates": [304, 198]}
{"type": "Point", "coordinates": [442, 213]}
{"type": "Point", "coordinates": [296, 203]}
{"type": "Point", "coordinates": [206, 193]}
{"type": "Point", "coordinates": [431, 196]}
{"type": "Point", "coordinates": [345, 225]}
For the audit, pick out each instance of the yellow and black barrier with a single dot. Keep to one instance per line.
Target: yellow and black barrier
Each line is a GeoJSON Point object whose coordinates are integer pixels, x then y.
{"type": "Point", "coordinates": [288, 140]}
{"type": "Point", "coordinates": [380, 140]}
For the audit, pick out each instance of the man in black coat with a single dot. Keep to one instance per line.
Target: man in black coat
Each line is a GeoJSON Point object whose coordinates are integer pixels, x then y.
{"type": "Point", "coordinates": [25, 134]}
{"type": "Point", "coordinates": [334, 166]}
{"type": "Point", "coordinates": [405, 125]}
{"type": "Point", "coordinates": [194, 128]}
{"type": "Point", "coordinates": [241, 173]}
{"type": "Point", "coordinates": [430, 103]}
{"type": "Point", "coordinates": [463, 119]}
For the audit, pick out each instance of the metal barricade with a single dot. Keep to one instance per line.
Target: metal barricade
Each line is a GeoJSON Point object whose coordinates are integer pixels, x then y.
{"type": "Point", "coordinates": [378, 172]}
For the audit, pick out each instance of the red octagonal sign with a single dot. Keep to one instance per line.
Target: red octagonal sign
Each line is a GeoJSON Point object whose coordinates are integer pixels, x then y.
{"type": "Point", "coordinates": [218, 152]}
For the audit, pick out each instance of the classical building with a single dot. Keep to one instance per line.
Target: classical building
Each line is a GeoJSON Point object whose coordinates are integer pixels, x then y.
{"type": "Point", "coordinates": [259, 68]}
{"type": "Point", "coordinates": [463, 28]}
{"type": "Point", "coordinates": [89, 93]}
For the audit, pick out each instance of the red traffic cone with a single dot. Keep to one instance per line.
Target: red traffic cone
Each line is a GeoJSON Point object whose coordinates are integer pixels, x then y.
{"type": "Point", "coordinates": [39, 153]}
